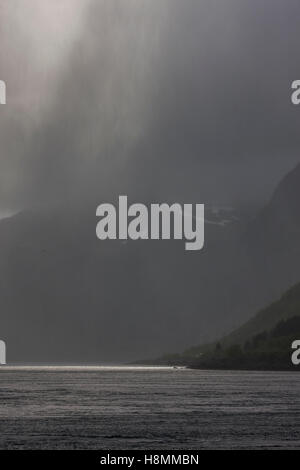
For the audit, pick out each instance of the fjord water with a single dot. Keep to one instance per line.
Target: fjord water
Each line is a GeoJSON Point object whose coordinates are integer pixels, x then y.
{"type": "Point", "coordinates": [147, 408]}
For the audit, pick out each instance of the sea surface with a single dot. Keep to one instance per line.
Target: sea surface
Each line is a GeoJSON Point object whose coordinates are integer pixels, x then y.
{"type": "Point", "coordinates": [109, 408]}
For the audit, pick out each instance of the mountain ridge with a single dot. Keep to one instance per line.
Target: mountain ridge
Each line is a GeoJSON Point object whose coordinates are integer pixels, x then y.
{"type": "Point", "coordinates": [64, 295]}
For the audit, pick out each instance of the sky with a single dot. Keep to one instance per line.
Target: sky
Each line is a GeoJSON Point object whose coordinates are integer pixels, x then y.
{"type": "Point", "coordinates": [163, 99]}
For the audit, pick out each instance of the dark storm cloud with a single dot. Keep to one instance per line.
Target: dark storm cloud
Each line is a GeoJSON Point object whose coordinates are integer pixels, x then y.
{"type": "Point", "coordinates": [179, 99]}
{"type": "Point", "coordinates": [91, 110]}
{"type": "Point", "coordinates": [223, 124]}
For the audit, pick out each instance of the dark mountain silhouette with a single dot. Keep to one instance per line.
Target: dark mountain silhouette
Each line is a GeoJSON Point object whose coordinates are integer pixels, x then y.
{"type": "Point", "coordinates": [67, 297]}
{"type": "Point", "coordinates": [263, 342]}
{"type": "Point", "coordinates": [272, 241]}
{"type": "Point", "coordinates": [276, 230]}
{"type": "Point", "coordinates": [268, 350]}
{"type": "Point", "coordinates": [288, 306]}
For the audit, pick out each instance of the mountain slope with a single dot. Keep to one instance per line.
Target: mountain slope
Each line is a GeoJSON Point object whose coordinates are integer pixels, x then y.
{"type": "Point", "coordinates": [288, 306]}
{"type": "Point", "coordinates": [67, 297]}
{"type": "Point", "coordinates": [268, 350]}
{"type": "Point", "coordinates": [262, 342]}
